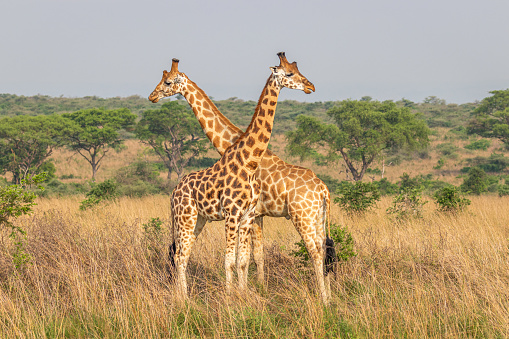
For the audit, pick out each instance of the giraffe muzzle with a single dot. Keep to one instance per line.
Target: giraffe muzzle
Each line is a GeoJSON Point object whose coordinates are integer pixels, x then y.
{"type": "Point", "coordinates": [309, 88]}
{"type": "Point", "coordinates": [153, 97]}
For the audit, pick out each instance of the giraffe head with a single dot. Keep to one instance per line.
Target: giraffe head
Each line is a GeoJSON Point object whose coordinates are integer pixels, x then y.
{"type": "Point", "coordinates": [173, 82]}
{"type": "Point", "coordinates": [288, 75]}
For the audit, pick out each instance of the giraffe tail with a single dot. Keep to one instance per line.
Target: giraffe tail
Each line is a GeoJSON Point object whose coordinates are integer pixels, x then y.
{"type": "Point", "coordinates": [172, 268]}
{"type": "Point", "coordinates": [330, 250]}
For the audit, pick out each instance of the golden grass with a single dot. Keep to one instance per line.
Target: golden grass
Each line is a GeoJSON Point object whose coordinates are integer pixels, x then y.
{"type": "Point", "coordinates": [96, 273]}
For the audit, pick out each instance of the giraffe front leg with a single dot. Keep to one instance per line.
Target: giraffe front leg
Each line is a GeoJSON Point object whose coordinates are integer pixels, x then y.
{"type": "Point", "coordinates": [245, 230]}
{"type": "Point", "coordinates": [257, 241]}
{"type": "Point", "coordinates": [186, 237]}
{"type": "Point", "coordinates": [231, 231]}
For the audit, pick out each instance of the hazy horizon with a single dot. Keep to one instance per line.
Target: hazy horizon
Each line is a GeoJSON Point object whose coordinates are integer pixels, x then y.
{"type": "Point", "coordinates": [454, 50]}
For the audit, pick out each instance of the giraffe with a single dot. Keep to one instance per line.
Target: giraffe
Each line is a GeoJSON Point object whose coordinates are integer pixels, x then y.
{"type": "Point", "coordinates": [229, 189]}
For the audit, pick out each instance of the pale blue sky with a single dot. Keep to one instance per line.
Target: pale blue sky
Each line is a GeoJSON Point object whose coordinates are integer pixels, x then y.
{"type": "Point", "coordinates": [457, 50]}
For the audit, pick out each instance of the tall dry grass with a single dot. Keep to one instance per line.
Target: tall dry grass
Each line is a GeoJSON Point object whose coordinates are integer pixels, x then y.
{"type": "Point", "coordinates": [97, 273]}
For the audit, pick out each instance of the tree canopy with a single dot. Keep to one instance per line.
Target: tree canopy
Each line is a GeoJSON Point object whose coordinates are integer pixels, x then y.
{"type": "Point", "coordinates": [96, 131]}
{"type": "Point", "coordinates": [491, 118]}
{"type": "Point", "coordinates": [174, 134]}
{"type": "Point", "coordinates": [26, 142]}
{"type": "Point", "coordinates": [361, 131]}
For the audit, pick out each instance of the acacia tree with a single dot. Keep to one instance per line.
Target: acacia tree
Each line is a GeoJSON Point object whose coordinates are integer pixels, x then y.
{"type": "Point", "coordinates": [361, 131]}
{"type": "Point", "coordinates": [491, 118]}
{"type": "Point", "coordinates": [174, 135]}
{"type": "Point", "coordinates": [26, 142]}
{"type": "Point", "coordinates": [95, 132]}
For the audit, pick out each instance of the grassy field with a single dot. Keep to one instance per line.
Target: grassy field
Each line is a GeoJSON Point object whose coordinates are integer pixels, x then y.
{"type": "Point", "coordinates": [100, 274]}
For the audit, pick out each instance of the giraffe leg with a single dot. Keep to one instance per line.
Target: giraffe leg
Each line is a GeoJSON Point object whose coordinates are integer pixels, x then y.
{"type": "Point", "coordinates": [186, 237]}
{"type": "Point", "coordinates": [244, 248]}
{"type": "Point", "coordinates": [314, 245]}
{"type": "Point", "coordinates": [257, 241]}
{"type": "Point", "coordinates": [231, 231]}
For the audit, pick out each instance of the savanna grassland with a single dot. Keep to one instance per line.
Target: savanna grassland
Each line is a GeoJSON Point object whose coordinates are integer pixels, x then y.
{"type": "Point", "coordinates": [102, 272]}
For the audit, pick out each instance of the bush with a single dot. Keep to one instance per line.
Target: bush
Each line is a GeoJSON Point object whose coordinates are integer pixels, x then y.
{"type": "Point", "coordinates": [496, 162]}
{"type": "Point", "coordinates": [343, 243]}
{"type": "Point", "coordinates": [385, 187]}
{"type": "Point", "coordinates": [481, 144]}
{"type": "Point", "coordinates": [407, 183]}
{"type": "Point", "coordinates": [106, 190]}
{"type": "Point", "coordinates": [476, 182]}
{"type": "Point", "coordinates": [448, 150]}
{"type": "Point", "coordinates": [503, 190]}
{"type": "Point", "coordinates": [407, 204]}
{"type": "Point", "coordinates": [15, 201]}
{"type": "Point", "coordinates": [139, 179]}
{"type": "Point", "coordinates": [358, 198]}
{"type": "Point", "coordinates": [449, 199]}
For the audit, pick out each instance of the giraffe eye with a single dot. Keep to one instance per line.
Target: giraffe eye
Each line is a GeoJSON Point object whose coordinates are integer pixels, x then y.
{"type": "Point", "coordinates": [289, 74]}
{"type": "Point", "coordinates": [167, 82]}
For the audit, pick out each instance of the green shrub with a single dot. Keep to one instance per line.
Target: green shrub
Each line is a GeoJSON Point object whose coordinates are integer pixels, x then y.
{"type": "Point", "coordinates": [449, 199]}
{"type": "Point", "coordinates": [481, 144]}
{"type": "Point", "coordinates": [448, 150]}
{"type": "Point", "coordinates": [407, 204]}
{"type": "Point", "coordinates": [440, 164]}
{"type": "Point", "coordinates": [476, 182]}
{"type": "Point", "coordinates": [49, 168]}
{"type": "Point", "coordinates": [15, 201]}
{"type": "Point", "coordinates": [138, 179]}
{"type": "Point", "coordinates": [495, 163]}
{"type": "Point", "coordinates": [343, 243]}
{"type": "Point", "coordinates": [407, 183]}
{"type": "Point", "coordinates": [385, 187]}
{"type": "Point", "coordinates": [503, 190]}
{"type": "Point", "coordinates": [106, 190]}
{"type": "Point", "coordinates": [358, 198]}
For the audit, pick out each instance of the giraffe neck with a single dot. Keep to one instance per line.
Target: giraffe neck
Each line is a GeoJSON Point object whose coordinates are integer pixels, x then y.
{"type": "Point", "coordinates": [254, 142]}
{"type": "Point", "coordinates": [220, 131]}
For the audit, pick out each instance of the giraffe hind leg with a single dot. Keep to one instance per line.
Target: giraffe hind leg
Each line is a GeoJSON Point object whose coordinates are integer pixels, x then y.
{"type": "Point", "coordinates": [257, 242]}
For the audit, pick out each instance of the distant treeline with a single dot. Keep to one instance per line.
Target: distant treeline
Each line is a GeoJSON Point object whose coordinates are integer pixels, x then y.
{"type": "Point", "coordinates": [435, 111]}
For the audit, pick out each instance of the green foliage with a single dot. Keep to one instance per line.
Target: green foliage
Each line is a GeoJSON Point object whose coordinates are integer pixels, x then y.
{"type": "Point", "coordinates": [491, 118]}
{"type": "Point", "coordinates": [407, 204]}
{"type": "Point", "coordinates": [476, 182]}
{"type": "Point", "coordinates": [203, 162]}
{"type": "Point", "coordinates": [448, 150]}
{"type": "Point", "coordinates": [55, 187]}
{"type": "Point", "coordinates": [343, 243]}
{"type": "Point", "coordinates": [449, 199]}
{"type": "Point", "coordinates": [362, 131]}
{"type": "Point", "coordinates": [14, 105]}
{"type": "Point", "coordinates": [174, 135]}
{"type": "Point", "coordinates": [385, 187]}
{"type": "Point", "coordinates": [26, 142]}
{"type": "Point", "coordinates": [358, 198]}
{"type": "Point", "coordinates": [96, 131]}
{"type": "Point", "coordinates": [15, 201]}
{"type": "Point", "coordinates": [503, 190]}
{"type": "Point", "coordinates": [440, 114]}
{"type": "Point", "coordinates": [440, 164]}
{"type": "Point", "coordinates": [496, 162]}
{"type": "Point", "coordinates": [408, 183]}
{"type": "Point", "coordinates": [138, 179]}
{"type": "Point", "coordinates": [481, 144]}
{"type": "Point", "coordinates": [106, 190]}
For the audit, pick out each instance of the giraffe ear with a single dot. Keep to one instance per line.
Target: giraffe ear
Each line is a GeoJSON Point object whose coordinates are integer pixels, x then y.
{"type": "Point", "coordinates": [273, 70]}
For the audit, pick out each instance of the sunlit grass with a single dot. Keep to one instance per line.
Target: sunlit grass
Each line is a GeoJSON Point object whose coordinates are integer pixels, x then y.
{"type": "Point", "coordinates": [96, 274]}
